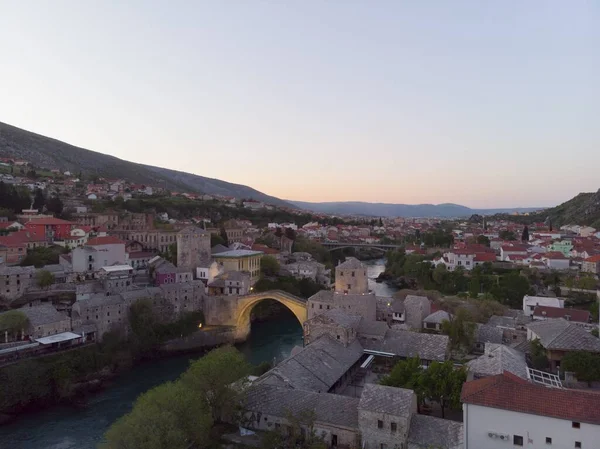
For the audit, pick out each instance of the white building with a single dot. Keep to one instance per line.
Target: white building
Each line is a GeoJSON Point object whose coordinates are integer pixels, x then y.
{"type": "Point", "coordinates": [530, 302]}
{"type": "Point", "coordinates": [506, 411]}
{"type": "Point", "coordinates": [97, 253]}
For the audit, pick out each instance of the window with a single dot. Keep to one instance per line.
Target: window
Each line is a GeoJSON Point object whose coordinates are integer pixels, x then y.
{"type": "Point", "coordinates": [394, 426]}
{"type": "Point", "coordinates": [548, 440]}
{"type": "Point", "coordinates": [337, 336]}
{"type": "Point", "coordinates": [517, 440]}
{"type": "Point", "coordinates": [320, 306]}
{"type": "Point", "coordinates": [312, 306]}
{"type": "Point", "coordinates": [575, 425]}
{"type": "Point", "coordinates": [349, 286]}
{"type": "Point", "coordinates": [353, 274]}
{"type": "Point", "coordinates": [578, 445]}
{"type": "Point", "coordinates": [379, 424]}
{"type": "Point", "coordinates": [341, 273]}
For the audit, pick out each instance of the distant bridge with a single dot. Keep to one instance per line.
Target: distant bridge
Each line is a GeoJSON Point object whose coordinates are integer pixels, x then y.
{"type": "Point", "coordinates": [236, 310]}
{"type": "Point", "coordinates": [332, 246]}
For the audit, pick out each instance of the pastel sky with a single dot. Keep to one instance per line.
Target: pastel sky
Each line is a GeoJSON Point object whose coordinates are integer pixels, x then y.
{"type": "Point", "coordinates": [486, 104]}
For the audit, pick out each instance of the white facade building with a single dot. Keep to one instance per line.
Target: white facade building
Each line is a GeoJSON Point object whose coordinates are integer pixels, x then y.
{"type": "Point", "coordinates": [530, 302]}
{"type": "Point", "coordinates": [511, 412]}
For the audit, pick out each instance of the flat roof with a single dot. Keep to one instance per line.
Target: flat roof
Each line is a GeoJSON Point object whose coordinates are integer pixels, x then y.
{"type": "Point", "coordinates": [57, 338]}
{"type": "Point", "coordinates": [117, 268]}
{"type": "Point", "coordinates": [238, 253]}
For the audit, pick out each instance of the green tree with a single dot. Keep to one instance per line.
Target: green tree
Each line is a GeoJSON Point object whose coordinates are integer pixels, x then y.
{"type": "Point", "coordinates": [44, 279]}
{"type": "Point", "coordinates": [216, 240]}
{"type": "Point", "coordinates": [483, 240]}
{"type": "Point", "coordinates": [38, 199]}
{"type": "Point", "coordinates": [586, 283]}
{"type": "Point", "coordinates": [460, 329]}
{"type": "Point", "coordinates": [525, 235]}
{"type": "Point", "coordinates": [299, 434]}
{"type": "Point", "coordinates": [585, 365]}
{"type": "Point", "coordinates": [507, 235]}
{"type": "Point", "coordinates": [13, 322]}
{"type": "Point", "coordinates": [167, 416]}
{"type": "Point", "coordinates": [223, 235]}
{"type": "Point", "coordinates": [539, 359]}
{"type": "Point", "coordinates": [54, 205]}
{"type": "Point", "coordinates": [212, 377]}
{"type": "Point", "coordinates": [511, 289]}
{"type": "Point", "coordinates": [442, 383]}
{"type": "Point", "coordinates": [144, 324]}
{"type": "Point", "coordinates": [406, 374]}
{"type": "Point", "coordinates": [269, 266]}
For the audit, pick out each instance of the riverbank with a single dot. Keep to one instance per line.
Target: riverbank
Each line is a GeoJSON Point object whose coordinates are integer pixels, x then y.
{"type": "Point", "coordinates": [66, 426]}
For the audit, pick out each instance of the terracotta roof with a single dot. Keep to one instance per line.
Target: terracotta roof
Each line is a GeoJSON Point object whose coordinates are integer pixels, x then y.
{"type": "Point", "coordinates": [48, 221]}
{"type": "Point", "coordinates": [582, 316]}
{"type": "Point", "coordinates": [106, 240]}
{"type": "Point", "coordinates": [485, 257]}
{"type": "Point", "coordinates": [595, 258]}
{"type": "Point", "coordinates": [515, 248]}
{"type": "Point", "coordinates": [509, 392]}
{"type": "Point", "coordinates": [554, 255]}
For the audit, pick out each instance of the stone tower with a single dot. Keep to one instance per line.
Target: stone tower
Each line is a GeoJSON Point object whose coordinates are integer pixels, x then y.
{"type": "Point", "coordinates": [193, 248]}
{"type": "Point", "coordinates": [351, 277]}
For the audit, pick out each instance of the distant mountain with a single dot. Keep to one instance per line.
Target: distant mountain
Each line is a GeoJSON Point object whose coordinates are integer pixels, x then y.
{"type": "Point", "coordinates": [51, 153]}
{"type": "Point", "coordinates": [447, 210]}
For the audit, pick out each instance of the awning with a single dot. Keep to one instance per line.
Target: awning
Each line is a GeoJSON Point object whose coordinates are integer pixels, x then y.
{"type": "Point", "coordinates": [58, 338]}
{"type": "Point", "coordinates": [367, 362]}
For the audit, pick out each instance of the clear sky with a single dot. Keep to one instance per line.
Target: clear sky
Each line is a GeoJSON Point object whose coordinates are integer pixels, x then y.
{"type": "Point", "coordinates": [486, 104]}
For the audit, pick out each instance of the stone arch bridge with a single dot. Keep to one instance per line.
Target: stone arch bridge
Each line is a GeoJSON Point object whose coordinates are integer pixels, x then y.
{"type": "Point", "coordinates": [235, 310]}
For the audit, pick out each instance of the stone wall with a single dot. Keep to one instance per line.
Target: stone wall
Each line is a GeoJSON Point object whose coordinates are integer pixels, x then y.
{"type": "Point", "coordinates": [377, 438]}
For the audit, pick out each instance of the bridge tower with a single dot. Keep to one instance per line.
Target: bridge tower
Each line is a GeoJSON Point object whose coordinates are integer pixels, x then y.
{"type": "Point", "coordinates": [193, 247]}
{"type": "Point", "coordinates": [351, 277]}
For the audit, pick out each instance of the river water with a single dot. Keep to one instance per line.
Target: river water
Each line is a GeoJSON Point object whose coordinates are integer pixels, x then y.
{"type": "Point", "coordinates": [63, 427]}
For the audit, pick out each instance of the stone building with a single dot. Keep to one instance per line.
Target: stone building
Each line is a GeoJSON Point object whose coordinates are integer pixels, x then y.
{"type": "Point", "coordinates": [351, 277]}
{"type": "Point", "coordinates": [416, 308]}
{"type": "Point", "coordinates": [230, 283]}
{"type": "Point", "coordinates": [45, 320]}
{"type": "Point", "coordinates": [364, 305]}
{"type": "Point", "coordinates": [241, 260]}
{"type": "Point", "coordinates": [193, 248]}
{"type": "Point", "coordinates": [108, 219]}
{"type": "Point", "coordinates": [150, 239]}
{"type": "Point", "coordinates": [306, 383]}
{"type": "Point", "coordinates": [334, 323]}
{"type": "Point", "coordinates": [384, 415]}
{"type": "Point", "coordinates": [106, 313]}
{"type": "Point", "coordinates": [234, 231]}
{"type": "Point", "coordinates": [14, 281]}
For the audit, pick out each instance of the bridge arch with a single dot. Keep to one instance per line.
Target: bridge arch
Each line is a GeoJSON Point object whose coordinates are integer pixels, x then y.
{"type": "Point", "coordinates": [246, 303]}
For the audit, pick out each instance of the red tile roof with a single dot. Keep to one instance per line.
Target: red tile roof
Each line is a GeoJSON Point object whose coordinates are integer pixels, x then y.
{"type": "Point", "coordinates": [582, 316]}
{"type": "Point", "coordinates": [509, 392]}
{"type": "Point", "coordinates": [515, 248]}
{"type": "Point", "coordinates": [554, 255]}
{"type": "Point", "coordinates": [106, 240]}
{"type": "Point", "coordinates": [594, 259]}
{"type": "Point", "coordinates": [485, 257]}
{"type": "Point", "coordinates": [264, 248]}
{"type": "Point", "coordinates": [20, 238]}
{"type": "Point", "coordinates": [47, 221]}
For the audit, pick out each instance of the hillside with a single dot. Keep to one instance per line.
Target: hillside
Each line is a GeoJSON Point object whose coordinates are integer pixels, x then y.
{"type": "Point", "coordinates": [52, 153]}
{"type": "Point", "coordinates": [447, 210]}
{"type": "Point", "coordinates": [584, 209]}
